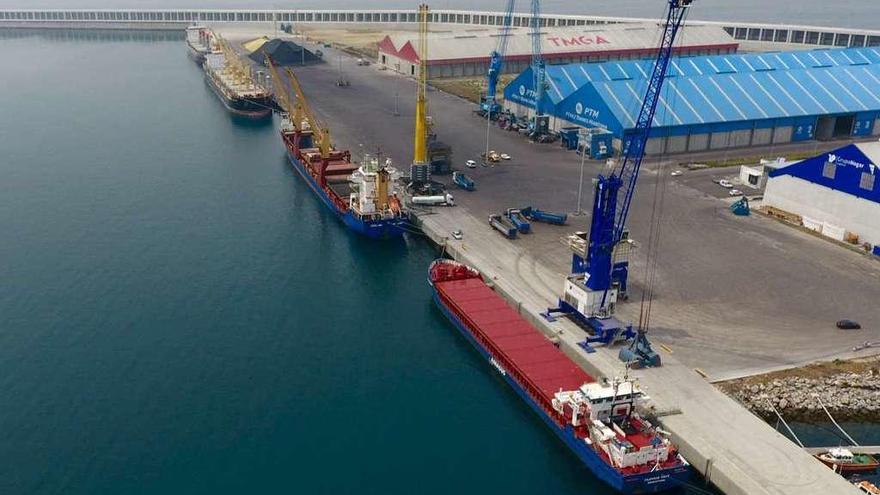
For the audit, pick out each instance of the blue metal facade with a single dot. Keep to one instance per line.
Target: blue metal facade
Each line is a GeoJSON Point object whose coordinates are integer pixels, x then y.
{"type": "Point", "coordinates": [721, 92]}
{"type": "Point", "coordinates": [848, 169]}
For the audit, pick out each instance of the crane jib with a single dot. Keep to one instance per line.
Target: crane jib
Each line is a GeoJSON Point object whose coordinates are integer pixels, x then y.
{"type": "Point", "coordinates": [614, 194]}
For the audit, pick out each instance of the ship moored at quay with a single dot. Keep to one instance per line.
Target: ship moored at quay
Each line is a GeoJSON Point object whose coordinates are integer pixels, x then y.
{"type": "Point", "coordinates": [598, 422]}
{"type": "Point", "coordinates": [231, 79]}
{"type": "Point", "coordinates": [364, 197]}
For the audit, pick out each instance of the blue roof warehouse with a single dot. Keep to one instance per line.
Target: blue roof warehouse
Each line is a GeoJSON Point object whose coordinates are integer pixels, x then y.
{"type": "Point", "coordinates": [719, 101]}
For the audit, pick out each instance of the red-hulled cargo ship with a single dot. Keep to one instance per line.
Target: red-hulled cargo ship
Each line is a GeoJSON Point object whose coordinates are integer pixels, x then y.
{"type": "Point", "coordinates": [599, 422]}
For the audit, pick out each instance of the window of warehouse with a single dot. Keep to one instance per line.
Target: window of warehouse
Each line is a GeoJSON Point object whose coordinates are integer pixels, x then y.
{"type": "Point", "coordinates": [867, 181]}
{"type": "Point", "coordinates": [829, 170]}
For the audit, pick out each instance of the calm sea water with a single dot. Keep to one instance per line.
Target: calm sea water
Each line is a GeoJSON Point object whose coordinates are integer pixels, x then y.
{"type": "Point", "coordinates": [844, 13]}
{"type": "Point", "coordinates": [178, 314]}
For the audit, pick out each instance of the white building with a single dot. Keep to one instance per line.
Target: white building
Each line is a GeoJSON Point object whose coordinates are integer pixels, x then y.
{"type": "Point", "coordinates": [465, 52]}
{"type": "Point", "coordinates": [836, 193]}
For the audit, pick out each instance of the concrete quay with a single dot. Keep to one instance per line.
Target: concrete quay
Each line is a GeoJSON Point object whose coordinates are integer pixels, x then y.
{"type": "Point", "coordinates": [733, 449]}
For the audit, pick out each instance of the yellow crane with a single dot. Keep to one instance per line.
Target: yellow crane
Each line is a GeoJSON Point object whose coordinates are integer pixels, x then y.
{"type": "Point", "coordinates": [303, 113]}
{"type": "Point", "coordinates": [282, 93]}
{"type": "Point", "coordinates": [420, 149]}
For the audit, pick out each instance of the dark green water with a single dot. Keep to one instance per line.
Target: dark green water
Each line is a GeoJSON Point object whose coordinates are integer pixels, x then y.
{"type": "Point", "coordinates": [178, 314]}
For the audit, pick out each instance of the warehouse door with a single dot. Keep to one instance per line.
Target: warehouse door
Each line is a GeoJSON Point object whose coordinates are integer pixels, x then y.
{"type": "Point", "coordinates": [844, 126]}
{"type": "Point", "coordinates": [828, 128]}
{"type": "Point", "coordinates": [825, 128]}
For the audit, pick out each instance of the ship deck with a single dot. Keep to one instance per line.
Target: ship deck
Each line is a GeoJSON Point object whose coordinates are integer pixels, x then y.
{"type": "Point", "coordinates": [513, 341]}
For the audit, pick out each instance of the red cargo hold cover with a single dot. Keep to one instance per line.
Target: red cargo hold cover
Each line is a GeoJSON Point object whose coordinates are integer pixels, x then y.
{"type": "Point", "coordinates": [519, 344]}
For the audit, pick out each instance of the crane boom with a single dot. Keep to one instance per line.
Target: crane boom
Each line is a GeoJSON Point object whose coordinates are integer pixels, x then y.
{"type": "Point", "coordinates": [539, 72]}
{"type": "Point", "coordinates": [496, 62]}
{"type": "Point", "coordinates": [599, 261]}
{"type": "Point", "coordinates": [304, 112]}
{"type": "Point", "coordinates": [420, 139]}
{"type": "Point", "coordinates": [282, 92]}
{"type": "Point", "coordinates": [614, 193]}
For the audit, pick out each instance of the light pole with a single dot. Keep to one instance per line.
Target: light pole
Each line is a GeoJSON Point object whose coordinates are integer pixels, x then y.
{"type": "Point", "coordinates": [579, 211]}
{"type": "Point", "coordinates": [396, 112]}
{"type": "Point", "coordinates": [488, 126]}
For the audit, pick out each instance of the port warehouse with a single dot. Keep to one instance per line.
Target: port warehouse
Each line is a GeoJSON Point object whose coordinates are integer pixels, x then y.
{"type": "Point", "coordinates": [176, 18]}
{"type": "Point", "coordinates": [466, 52]}
{"type": "Point", "coordinates": [836, 194]}
{"type": "Point", "coordinates": [717, 102]}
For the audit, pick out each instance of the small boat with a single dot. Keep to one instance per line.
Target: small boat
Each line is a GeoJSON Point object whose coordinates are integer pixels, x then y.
{"type": "Point", "coordinates": [867, 487]}
{"type": "Point", "coordinates": [842, 460]}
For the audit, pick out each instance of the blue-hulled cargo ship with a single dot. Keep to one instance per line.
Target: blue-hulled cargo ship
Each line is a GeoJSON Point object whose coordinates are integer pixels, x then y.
{"type": "Point", "coordinates": [363, 197]}
{"type": "Point", "coordinates": [598, 422]}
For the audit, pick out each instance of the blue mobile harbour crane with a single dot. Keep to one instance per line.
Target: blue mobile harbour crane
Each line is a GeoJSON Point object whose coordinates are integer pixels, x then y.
{"type": "Point", "coordinates": [600, 265]}
{"type": "Point", "coordinates": [539, 125]}
{"type": "Point", "coordinates": [489, 107]}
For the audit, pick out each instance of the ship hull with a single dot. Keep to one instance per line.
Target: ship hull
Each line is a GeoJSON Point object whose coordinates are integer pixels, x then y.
{"type": "Point", "coordinates": [374, 229]}
{"type": "Point", "coordinates": [241, 107]}
{"type": "Point", "coordinates": [197, 56]}
{"type": "Point", "coordinates": [651, 482]}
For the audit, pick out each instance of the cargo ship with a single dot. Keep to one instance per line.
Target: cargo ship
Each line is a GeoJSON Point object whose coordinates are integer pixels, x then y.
{"type": "Point", "coordinates": [599, 422]}
{"type": "Point", "coordinates": [364, 197]}
{"type": "Point", "coordinates": [197, 43]}
{"type": "Point", "coordinates": [230, 78]}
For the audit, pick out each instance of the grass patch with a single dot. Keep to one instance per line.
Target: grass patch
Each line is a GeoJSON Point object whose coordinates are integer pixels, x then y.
{"type": "Point", "coordinates": [752, 160]}
{"type": "Point", "coordinates": [470, 88]}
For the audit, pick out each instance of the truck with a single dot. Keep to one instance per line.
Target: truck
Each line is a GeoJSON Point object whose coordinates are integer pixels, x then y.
{"type": "Point", "coordinates": [537, 215]}
{"type": "Point", "coordinates": [437, 200]}
{"type": "Point", "coordinates": [463, 181]}
{"type": "Point", "coordinates": [519, 221]}
{"type": "Point", "coordinates": [502, 224]}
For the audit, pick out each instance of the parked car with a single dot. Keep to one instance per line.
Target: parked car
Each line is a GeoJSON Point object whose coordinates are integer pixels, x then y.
{"type": "Point", "coordinates": [471, 164]}
{"type": "Point", "coordinates": [456, 234]}
{"type": "Point", "coordinates": [676, 173]}
{"type": "Point", "coordinates": [735, 192]}
{"type": "Point", "coordinates": [505, 156]}
{"type": "Point", "coordinates": [848, 325]}
{"type": "Point", "coordinates": [725, 183]}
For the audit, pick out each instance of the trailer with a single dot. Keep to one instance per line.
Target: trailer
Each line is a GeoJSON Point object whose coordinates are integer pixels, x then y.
{"type": "Point", "coordinates": [463, 181]}
{"type": "Point", "coordinates": [519, 221]}
{"type": "Point", "coordinates": [537, 215]}
{"type": "Point", "coordinates": [503, 225]}
{"type": "Point", "coordinates": [438, 200]}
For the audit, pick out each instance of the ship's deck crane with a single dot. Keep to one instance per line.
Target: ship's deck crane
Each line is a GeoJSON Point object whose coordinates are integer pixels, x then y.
{"type": "Point", "coordinates": [599, 263]}
{"type": "Point", "coordinates": [488, 105]}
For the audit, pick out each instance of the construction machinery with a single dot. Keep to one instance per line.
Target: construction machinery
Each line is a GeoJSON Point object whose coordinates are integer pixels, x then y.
{"type": "Point", "coordinates": [741, 208]}
{"type": "Point", "coordinates": [489, 107]}
{"type": "Point", "coordinates": [600, 266]}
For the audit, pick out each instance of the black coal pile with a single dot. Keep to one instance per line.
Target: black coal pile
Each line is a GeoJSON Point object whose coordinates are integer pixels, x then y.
{"type": "Point", "coordinates": [285, 52]}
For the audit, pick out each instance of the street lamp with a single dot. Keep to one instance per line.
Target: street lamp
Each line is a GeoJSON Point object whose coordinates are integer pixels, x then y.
{"type": "Point", "coordinates": [579, 211]}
